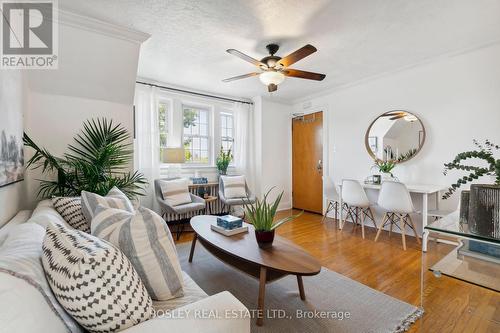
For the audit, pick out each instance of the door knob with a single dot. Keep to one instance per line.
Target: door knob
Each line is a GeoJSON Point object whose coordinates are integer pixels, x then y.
{"type": "Point", "coordinates": [319, 166]}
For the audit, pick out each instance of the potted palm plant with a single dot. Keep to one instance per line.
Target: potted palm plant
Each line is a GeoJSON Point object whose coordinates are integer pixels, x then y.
{"type": "Point", "coordinates": [261, 214]}
{"type": "Point", "coordinates": [223, 161]}
{"type": "Point", "coordinates": [96, 162]}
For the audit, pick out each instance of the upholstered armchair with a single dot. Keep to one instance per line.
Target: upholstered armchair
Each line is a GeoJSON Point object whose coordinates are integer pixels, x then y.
{"type": "Point", "coordinates": [231, 202]}
{"type": "Point", "coordinates": [196, 205]}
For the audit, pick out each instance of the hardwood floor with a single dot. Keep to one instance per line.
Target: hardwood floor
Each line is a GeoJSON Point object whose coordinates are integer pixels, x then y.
{"type": "Point", "coordinates": [451, 305]}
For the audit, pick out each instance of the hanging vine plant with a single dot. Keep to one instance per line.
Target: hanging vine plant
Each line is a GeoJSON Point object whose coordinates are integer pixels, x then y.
{"type": "Point", "coordinates": [484, 152]}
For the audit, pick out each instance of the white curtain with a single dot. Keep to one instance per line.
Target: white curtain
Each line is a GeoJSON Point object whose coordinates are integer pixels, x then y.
{"type": "Point", "coordinates": [244, 149]}
{"type": "Point", "coordinates": [147, 142]}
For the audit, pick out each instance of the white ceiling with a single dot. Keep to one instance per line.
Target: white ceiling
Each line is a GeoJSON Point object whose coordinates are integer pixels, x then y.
{"type": "Point", "coordinates": [356, 39]}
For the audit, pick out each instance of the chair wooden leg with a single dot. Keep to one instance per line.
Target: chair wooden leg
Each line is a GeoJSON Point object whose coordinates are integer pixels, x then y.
{"type": "Point", "coordinates": [412, 225]}
{"type": "Point", "coordinates": [403, 237]}
{"type": "Point", "coordinates": [362, 224]}
{"type": "Point", "coordinates": [381, 226]}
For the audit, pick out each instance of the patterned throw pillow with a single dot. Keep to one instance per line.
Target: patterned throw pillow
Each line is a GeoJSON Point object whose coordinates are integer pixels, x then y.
{"type": "Point", "coordinates": [114, 199]}
{"type": "Point", "coordinates": [146, 241]}
{"type": "Point", "coordinates": [234, 187]}
{"type": "Point", "coordinates": [175, 192]}
{"type": "Point", "coordinates": [94, 281]}
{"type": "Point", "coordinates": [70, 208]}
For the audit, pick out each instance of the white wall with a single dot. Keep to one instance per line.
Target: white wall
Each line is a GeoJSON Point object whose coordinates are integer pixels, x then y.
{"type": "Point", "coordinates": [96, 78]}
{"type": "Point", "coordinates": [12, 97]}
{"type": "Point", "coordinates": [457, 98]}
{"type": "Point", "coordinates": [54, 120]}
{"type": "Point", "coordinates": [273, 149]}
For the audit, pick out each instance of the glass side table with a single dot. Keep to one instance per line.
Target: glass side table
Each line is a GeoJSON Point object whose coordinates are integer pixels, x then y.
{"type": "Point", "coordinates": [460, 285]}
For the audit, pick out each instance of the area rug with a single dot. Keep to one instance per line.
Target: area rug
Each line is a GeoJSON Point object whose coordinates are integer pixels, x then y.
{"type": "Point", "coordinates": [334, 303]}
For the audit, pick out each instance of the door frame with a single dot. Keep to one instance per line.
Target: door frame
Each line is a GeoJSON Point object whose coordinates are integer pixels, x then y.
{"type": "Point", "coordinates": [326, 144]}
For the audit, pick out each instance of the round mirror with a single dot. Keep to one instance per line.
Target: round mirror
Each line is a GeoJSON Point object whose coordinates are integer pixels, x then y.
{"type": "Point", "coordinates": [395, 136]}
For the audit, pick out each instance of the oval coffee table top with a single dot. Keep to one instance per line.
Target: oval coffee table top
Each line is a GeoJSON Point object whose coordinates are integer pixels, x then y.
{"type": "Point", "coordinates": [283, 256]}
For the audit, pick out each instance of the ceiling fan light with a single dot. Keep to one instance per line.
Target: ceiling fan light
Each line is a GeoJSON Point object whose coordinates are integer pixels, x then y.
{"type": "Point", "coordinates": [271, 77]}
{"type": "Point", "coordinates": [410, 118]}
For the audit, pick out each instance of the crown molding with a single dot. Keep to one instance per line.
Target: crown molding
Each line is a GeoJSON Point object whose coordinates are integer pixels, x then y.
{"type": "Point", "coordinates": [104, 28]}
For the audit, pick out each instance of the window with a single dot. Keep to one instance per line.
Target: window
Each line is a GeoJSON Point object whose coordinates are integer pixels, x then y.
{"type": "Point", "coordinates": [227, 131]}
{"type": "Point", "coordinates": [196, 135]}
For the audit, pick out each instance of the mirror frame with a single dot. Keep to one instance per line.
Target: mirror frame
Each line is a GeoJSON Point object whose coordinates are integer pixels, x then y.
{"type": "Point", "coordinates": [367, 146]}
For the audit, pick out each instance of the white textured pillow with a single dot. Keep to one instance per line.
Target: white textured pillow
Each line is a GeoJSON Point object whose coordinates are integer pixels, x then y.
{"type": "Point", "coordinates": [234, 187]}
{"type": "Point", "coordinates": [94, 281]}
{"type": "Point", "coordinates": [70, 208]}
{"type": "Point", "coordinates": [146, 241]}
{"type": "Point", "coordinates": [114, 199]}
{"type": "Point", "coordinates": [175, 192]}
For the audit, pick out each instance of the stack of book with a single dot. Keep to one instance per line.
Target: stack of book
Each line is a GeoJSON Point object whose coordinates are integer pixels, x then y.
{"type": "Point", "coordinates": [229, 225]}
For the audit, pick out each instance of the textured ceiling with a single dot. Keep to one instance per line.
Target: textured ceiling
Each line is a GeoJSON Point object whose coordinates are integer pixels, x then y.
{"type": "Point", "coordinates": [356, 39]}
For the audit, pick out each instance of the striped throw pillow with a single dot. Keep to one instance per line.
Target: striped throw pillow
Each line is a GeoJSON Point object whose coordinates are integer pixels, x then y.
{"type": "Point", "coordinates": [146, 241]}
{"type": "Point", "coordinates": [70, 209]}
{"type": "Point", "coordinates": [234, 187]}
{"type": "Point", "coordinates": [175, 192]}
{"type": "Point", "coordinates": [114, 199]}
{"type": "Point", "coordinates": [94, 281]}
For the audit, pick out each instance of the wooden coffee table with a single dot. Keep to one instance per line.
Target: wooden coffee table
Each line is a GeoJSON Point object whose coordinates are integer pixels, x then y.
{"type": "Point", "coordinates": [242, 252]}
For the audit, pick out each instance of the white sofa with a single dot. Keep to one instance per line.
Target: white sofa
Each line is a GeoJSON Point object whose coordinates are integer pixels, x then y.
{"type": "Point", "coordinates": [24, 308]}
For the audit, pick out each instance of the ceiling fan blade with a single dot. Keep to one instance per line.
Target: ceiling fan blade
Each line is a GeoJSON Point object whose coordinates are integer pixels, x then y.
{"type": "Point", "coordinates": [297, 55]}
{"type": "Point", "coordinates": [246, 57]}
{"type": "Point", "coordinates": [304, 75]}
{"type": "Point", "coordinates": [240, 77]}
{"type": "Point", "coordinates": [391, 114]}
{"type": "Point", "coordinates": [272, 87]}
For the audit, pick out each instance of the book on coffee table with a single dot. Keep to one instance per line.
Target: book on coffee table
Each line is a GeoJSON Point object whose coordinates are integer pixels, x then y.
{"type": "Point", "coordinates": [229, 232]}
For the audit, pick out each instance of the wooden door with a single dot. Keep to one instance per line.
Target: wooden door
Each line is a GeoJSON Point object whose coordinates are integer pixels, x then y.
{"type": "Point", "coordinates": [307, 162]}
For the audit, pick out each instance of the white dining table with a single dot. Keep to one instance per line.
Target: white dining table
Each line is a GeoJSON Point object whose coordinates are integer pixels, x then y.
{"type": "Point", "coordinates": [425, 190]}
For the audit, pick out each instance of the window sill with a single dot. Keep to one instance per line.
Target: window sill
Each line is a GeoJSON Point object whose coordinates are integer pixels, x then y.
{"type": "Point", "coordinates": [194, 167]}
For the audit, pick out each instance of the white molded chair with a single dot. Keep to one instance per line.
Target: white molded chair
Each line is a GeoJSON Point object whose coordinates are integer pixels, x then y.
{"type": "Point", "coordinates": [333, 199]}
{"type": "Point", "coordinates": [354, 196]}
{"type": "Point", "coordinates": [394, 198]}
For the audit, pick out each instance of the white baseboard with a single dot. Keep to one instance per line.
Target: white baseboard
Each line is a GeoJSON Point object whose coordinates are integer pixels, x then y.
{"type": "Point", "coordinates": [285, 206]}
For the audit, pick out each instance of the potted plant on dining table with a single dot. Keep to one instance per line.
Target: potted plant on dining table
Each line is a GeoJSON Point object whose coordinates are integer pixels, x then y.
{"type": "Point", "coordinates": [261, 215]}
{"type": "Point", "coordinates": [385, 168]}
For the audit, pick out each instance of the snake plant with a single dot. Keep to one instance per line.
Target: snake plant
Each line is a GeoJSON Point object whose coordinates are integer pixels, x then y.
{"type": "Point", "coordinates": [484, 152]}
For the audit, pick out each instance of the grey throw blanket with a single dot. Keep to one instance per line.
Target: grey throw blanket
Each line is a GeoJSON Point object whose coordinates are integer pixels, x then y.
{"type": "Point", "coordinates": [20, 256]}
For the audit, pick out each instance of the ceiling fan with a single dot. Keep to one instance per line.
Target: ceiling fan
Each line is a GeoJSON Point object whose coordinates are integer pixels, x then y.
{"type": "Point", "coordinates": [274, 69]}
